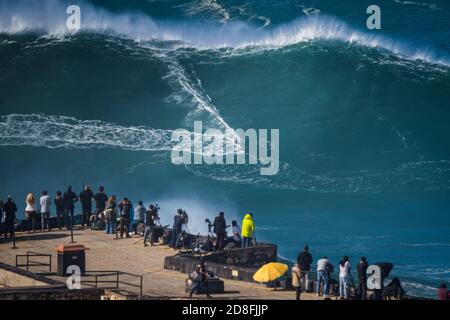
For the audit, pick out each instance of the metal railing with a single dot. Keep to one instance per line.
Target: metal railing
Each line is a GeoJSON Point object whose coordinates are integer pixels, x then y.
{"type": "Point", "coordinates": [31, 263]}
{"type": "Point", "coordinates": [116, 280]}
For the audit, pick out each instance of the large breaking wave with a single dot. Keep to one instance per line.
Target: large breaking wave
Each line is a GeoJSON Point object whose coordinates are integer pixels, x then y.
{"type": "Point", "coordinates": [50, 18]}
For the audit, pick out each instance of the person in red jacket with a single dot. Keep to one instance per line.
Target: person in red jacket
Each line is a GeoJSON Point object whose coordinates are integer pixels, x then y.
{"type": "Point", "coordinates": [443, 293]}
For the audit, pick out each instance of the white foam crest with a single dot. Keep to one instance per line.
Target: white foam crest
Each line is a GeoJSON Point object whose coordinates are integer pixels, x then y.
{"type": "Point", "coordinates": [50, 17]}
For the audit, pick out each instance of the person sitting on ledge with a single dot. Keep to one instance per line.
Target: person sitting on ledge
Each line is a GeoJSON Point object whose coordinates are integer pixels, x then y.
{"type": "Point", "coordinates": [394, 290]}
{"type": "Point", "coordinates": [236, 237]}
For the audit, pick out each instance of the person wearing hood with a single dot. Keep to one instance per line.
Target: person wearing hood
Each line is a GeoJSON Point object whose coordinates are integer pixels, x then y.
{"type": "Point", "coordinates": [10, 209]}
{"type": "Point", "coordinates": [248, 230]}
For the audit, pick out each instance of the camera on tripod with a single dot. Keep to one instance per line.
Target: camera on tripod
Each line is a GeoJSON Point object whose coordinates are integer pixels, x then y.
{"type": "Point", "coordinates": [210, 225]}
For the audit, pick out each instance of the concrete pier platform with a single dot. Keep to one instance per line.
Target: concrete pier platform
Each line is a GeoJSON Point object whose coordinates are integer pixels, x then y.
{"type": "Point", "coordinates": [130, 255]}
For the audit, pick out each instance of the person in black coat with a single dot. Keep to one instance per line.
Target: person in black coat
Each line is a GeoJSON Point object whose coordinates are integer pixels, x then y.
{"type": "Point", "coordinates": [220, 229]}
{"type": "Point", "coordinates": [151, 216]}
{"type": "Point", "coordinates": [86, 197]}
{"type": "Point", "coordinates": [304, 261]}
{"type": "Point", "coordinates": [10, 209]}
{"type": "Point", "coordinates": [361, 269]}
{"type": "Point", "coordinates": [178, 222]}
{"type": "Point", "coordinates": [69, 199]}
{"type": "Point", "coordinates": [60, 211]}
{"type": "Point", "coordinates": [100, 200]}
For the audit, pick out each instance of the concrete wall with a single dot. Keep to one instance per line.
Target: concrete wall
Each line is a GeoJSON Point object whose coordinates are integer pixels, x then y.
{"type": "Point", "coordinates": [187, 265]}
{"type": "Point", "coordinates": [50, 293]}
{"type": "Point", "coordinates": [252, 257]}
{"type": "Point", "coordinates": [18, 284]}
{"type": "Point", "coordinates": [10, 279]}
{"type": "Point", "coordinates": [236, 264]}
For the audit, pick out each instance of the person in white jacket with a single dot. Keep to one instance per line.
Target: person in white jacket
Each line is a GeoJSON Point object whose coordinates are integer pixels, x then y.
{"type": "Point", "coordinates": [45, 202]}
{"type": "Point", "coordinates": [344, 277]}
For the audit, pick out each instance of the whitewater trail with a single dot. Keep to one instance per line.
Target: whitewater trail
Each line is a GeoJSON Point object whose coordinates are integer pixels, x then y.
{"type": "Point", "coordinates": [49, 131]}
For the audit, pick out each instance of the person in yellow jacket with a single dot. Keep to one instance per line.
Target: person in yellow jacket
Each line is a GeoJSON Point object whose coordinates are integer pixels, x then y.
{"type": "Point", "coordinates": [248, 230]}
{"type": "Point", "coordinates": [296, 282]}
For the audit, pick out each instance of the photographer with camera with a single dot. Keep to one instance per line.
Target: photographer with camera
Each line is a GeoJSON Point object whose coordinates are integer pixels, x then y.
{"type": "Point", "coordinates": [151, 216]}
{"type": "Point", "coordinates": [220, 229]}
{"type": "Point", "coordinates": [178, 221]}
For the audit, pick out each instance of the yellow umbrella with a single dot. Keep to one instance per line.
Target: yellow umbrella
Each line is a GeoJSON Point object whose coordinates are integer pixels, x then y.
{"type": "Point", "coordinates": [270, 272]}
